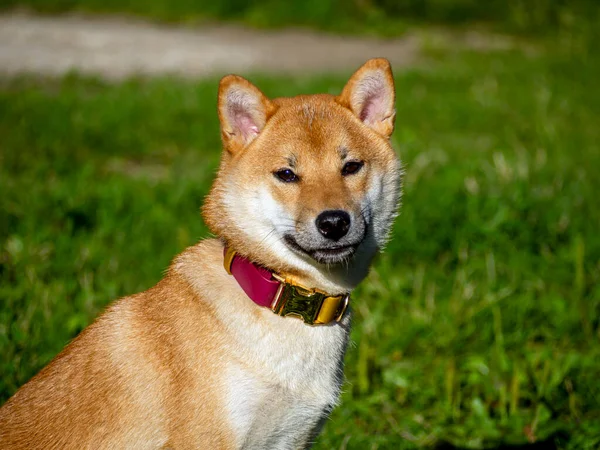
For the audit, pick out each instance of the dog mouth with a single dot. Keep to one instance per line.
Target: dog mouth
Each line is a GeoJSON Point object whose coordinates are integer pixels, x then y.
{"type": "Point", "coordinates": [324, 255]}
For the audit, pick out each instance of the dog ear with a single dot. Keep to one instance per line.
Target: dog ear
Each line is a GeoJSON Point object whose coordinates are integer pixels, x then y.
{"type": "Point", "coordinates": [243, 112]}
{"type": "Point", "coordinates": [370, 95]}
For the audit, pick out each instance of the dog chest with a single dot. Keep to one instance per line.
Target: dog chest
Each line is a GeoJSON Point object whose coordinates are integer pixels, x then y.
{"type": "Point", "coordinates": [283, 405]}
{"type": "Point", "coordinates": [266, 415]}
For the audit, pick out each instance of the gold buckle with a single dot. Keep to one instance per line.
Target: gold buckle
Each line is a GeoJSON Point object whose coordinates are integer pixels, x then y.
{"type": "Point", "coordinates": [228, 259]}
{"type": "Point", "coordinates": [310, 305]}
{"type": "Point", "coordinates": [342, 310]}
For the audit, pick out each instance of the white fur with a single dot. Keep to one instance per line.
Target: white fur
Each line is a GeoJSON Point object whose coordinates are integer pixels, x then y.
{"type": "Point", "coordinates": [266, 222]}
{"type": "Point", "coordinates": [281, 407]}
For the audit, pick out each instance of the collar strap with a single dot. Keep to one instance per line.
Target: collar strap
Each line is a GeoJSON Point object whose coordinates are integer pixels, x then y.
{"type": "Point", "coordinates": [283, 297]}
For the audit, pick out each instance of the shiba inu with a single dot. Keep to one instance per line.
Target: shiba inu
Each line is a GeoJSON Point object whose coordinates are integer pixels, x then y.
{"type": "Point", "coordinates": [241, 345]}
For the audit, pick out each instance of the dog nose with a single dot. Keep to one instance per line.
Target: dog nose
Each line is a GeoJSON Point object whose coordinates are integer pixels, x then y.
{"type": "Point", "coordinates": [333, 224]}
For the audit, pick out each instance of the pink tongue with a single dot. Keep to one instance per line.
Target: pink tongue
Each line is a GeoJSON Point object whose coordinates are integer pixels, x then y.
{"type": "Point", "coordinates": [257, 282]}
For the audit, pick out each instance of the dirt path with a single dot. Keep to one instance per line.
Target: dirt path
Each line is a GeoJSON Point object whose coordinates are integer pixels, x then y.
{"type": "Point", "coordinates": [118, 48]}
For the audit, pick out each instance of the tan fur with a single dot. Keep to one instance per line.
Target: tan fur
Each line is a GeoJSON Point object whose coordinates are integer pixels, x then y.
{"type": "Point", "coordinates": [192, 362]}
{"type": "Point", "coordinates": [137, 364]}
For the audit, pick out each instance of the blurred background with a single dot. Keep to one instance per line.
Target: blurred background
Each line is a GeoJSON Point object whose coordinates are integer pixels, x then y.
{"type": "Point", "coordinates": [479, 325]}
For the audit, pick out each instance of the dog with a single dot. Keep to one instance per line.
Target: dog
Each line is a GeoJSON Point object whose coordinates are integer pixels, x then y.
{"type": "Point", "coordinates": [241, 344]}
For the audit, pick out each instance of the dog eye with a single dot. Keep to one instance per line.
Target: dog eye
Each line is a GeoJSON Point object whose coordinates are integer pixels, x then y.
{"type": "Point", "coordinates": [287, 176]}
{"type": "Point", "coordinates": [352, 167]}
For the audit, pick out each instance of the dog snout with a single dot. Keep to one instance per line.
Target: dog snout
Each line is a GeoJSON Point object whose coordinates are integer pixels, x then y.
{"type": "Point", "coordinates": [333, 224]}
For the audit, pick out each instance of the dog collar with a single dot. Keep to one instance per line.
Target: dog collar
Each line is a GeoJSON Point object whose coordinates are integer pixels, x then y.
{"type": "Point", "coordinates": [283, 297]}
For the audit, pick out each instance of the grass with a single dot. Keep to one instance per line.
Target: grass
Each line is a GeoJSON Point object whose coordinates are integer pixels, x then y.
{"type": "Point", "coordinates": [478, 327]}
{"type": "Point", "coordinates": [378, 17]}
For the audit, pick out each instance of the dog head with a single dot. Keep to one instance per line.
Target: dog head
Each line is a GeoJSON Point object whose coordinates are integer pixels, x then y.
{"type": "Point", "coordinates": [308, 186]}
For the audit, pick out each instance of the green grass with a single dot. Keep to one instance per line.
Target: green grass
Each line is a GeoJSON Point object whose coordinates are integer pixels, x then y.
{"type": "Point", "coordinates": [379, 17]}
{"type": "Point", "coordinates": [480, 324]}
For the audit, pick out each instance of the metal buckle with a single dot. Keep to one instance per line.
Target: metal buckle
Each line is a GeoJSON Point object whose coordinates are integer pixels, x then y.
{"type": "Point", "coordinates": [342, 310]}
{"type": "Point", "coordinates": [306, 304]}
{"type": "Point", "coordinates": [228, 259]}
{"type": "Point", "coordinates": [292, 300]}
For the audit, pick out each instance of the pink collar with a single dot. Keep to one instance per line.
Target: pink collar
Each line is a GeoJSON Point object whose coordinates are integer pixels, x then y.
{"type": "Point", "coordinates": [283, 297]}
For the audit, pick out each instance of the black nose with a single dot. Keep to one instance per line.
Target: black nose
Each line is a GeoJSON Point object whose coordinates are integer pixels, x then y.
{"type": "Point", "coordinates": [334, 224]}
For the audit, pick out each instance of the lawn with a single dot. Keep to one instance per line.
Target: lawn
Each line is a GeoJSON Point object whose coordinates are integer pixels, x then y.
{"type": "Point", "coordinates": [479, 326]}
{"type": "Point", "coordinates": [376, 17]}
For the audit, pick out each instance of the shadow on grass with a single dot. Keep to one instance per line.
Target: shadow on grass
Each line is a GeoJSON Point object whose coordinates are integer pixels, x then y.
{"type": "Point", "coordinates": [551, 443]}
